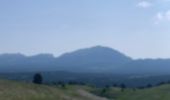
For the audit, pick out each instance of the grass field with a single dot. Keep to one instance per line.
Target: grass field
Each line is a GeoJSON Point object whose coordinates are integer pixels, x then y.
{"type": "Point", "coordinates": [11, 90]}
{"type": "Point", "coordinates": [155, 93]}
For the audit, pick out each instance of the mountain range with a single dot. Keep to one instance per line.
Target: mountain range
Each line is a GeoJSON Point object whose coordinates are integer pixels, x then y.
{"type": "Point", "coordinates": [96, 59]}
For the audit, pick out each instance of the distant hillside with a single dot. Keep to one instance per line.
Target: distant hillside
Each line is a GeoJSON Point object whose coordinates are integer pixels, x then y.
{"type": "Point", "coordinates": [147, 67]}
{"type": "Point", "coordinates": [154, 93]}
{"type": "Point", "coordinates": [21, 63]}
{"type": "Point", "coordinates": [93, 60]}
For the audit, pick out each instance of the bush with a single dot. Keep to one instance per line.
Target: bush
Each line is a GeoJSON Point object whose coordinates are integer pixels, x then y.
{"type": "Point", "coordinates": [37, 79]}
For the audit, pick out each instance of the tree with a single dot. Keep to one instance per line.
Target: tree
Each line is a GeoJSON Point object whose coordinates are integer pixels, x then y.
{"type": "Point", "coordinates": [149, 86]}
{"type": "Point", "coordinates": [115, 85]}
{"type": "Point", "coordinates": [123, 86]}
{"type": "Point", "coordinates": [104, 90]}
{"type": "Point", "coordinates": [37, 79]}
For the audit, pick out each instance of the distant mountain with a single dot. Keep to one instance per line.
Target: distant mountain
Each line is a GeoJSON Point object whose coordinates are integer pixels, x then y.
{"type": "Point", "coordinates": [147, 66]}
{"type": "Point", "coordinates": [94, 59]}
{"type": "Point", "coordinates": [21, 63]}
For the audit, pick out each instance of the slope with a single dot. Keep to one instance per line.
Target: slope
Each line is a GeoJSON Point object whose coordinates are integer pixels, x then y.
{"type": "Point", "coordinates": [156, 93]}
{"type": "Point", "coordinates": [10, 90]}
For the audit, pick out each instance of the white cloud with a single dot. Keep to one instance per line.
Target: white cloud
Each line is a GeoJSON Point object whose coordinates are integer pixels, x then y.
{"type": "Point", "coordinates": [159, 16]}
{"type": "Point", "coordinates": [167, 15]}
{"type": "Point", "coordinates": [162, 16]}
{"type": "Point", "coordinates": [144, 4]}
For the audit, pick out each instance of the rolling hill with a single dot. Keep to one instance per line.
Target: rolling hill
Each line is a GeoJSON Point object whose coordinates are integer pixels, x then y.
{"type": "Point", "coordinates": [11, 90]}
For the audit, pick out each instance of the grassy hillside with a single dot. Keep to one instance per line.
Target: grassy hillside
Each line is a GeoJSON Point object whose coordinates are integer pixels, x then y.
{"type": "Point", "coordinates": [10, 90]}
{"type": "Point", "coordinates": [155, 93]}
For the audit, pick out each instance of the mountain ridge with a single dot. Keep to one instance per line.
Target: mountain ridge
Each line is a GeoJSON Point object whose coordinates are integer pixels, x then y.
{"type": "Point", "coordinates": [93, 59]}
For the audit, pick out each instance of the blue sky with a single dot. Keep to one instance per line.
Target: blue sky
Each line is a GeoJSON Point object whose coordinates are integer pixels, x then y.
{"type": "Point", "coordinates": [138, 28]}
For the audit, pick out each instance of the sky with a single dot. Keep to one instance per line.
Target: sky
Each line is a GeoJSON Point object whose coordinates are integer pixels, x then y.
{"type": "Point", "coordinates": [137, 28]}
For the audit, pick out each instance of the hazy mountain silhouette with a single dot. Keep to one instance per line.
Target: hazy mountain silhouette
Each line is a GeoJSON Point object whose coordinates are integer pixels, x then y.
{"type": "Point", "coordinates": [147, 66]}
{"type": "Point", "coordinates": [94, 59]}
{"type": "Point", "coordinates": [97, 58]}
